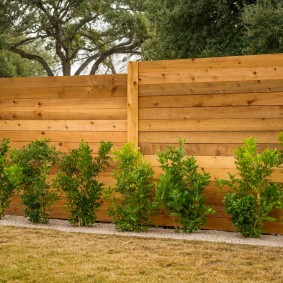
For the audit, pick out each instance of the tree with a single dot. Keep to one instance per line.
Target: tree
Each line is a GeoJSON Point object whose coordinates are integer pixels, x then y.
{"type": "Point", "coordinates": [80, 33]}
{"type": "Point", "coordinates": [207, 28]}
{"type": "Point", "coordinates": [263, 24]}
{"type": "Point", "coordinates": [12, 65]}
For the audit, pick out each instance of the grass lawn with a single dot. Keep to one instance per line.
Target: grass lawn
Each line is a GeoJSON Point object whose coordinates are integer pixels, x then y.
{"type": "Point", "coordinates": [34, 255]}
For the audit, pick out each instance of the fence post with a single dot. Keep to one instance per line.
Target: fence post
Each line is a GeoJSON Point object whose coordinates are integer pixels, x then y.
{"type": "Point", "coordinates": [133, 102]}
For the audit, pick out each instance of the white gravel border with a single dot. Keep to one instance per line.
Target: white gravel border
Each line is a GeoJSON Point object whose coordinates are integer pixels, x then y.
{"type": "Point", "coordinates": [160, 233]}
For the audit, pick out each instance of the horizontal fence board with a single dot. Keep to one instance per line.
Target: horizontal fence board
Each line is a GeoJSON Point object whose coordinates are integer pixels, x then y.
{"type": "Point", "coordinates": [207, 137]}
{"type": "Point", "coordinates": [202, 161]}
{"type": "Point", "coordinates": [215, 162]}
{"type": "Point", "coordinates": [211, 75]}
{"type": "Point", "coordinates": [65, 147]}
{"type": "Point", "coordinates": [198, 149]}
{"type": "Point", "coordinates": [224, 100]}
{"type": "Point", "coordinates": [237, 62]}
{"type": "Point", "coordinates": [24, 136]}
{"type": "Point", "coordinates": [64, 125]}
{"type": "Point", "coordinates": [63, 92]}
{"type": "Point", "coordinates": [223, 173]}
{"type": "Point", "coordinates": [248, 112]}
{"type": "Point", "coordinates": [59, 81]}
{"type": "Point", "coordinates": [53, 114]}
{"type": "Point", "coordinates": [66, 103]}
{"type": "Point", "coordinates": [211, 125]}
{"type": "Point", "coordinates": [230, 87]}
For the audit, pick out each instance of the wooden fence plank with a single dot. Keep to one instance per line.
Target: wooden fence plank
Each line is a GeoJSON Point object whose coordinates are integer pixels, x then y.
{"type": "Point", "coordinates": [211, 75]}
{"type": "Point", "coordinates": [253, 86]}
{"type": "Point", "coordinates": [63, 92]}
{"type": "Point", "coordinates": [27, 136]}
{"type": "Point", "coordinates": [64, 125]}
{"type": "Point", "coordinates": [198, 149]}
{"type": "Point", "coordinates": [59, 81]}
{"type": "Point", "coordinates": [202, 125]}
{"type": "Point", "coordinates": [247, 112]}
{"type": "Point", "coordinates": [208, 137]}
{"type": "Point", "coordinates": [61, 114]}
{"type": "Point", "coordinates": [66, 103]}
{"type": "Point", "coordinates": [223, 100]}
{"type": "Point", "coordinates": [250, 61]}
{"type": "Point", "coordinates": [133, 102]}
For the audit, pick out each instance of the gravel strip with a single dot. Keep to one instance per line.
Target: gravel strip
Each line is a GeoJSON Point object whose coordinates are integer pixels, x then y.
{"type": "Point", "coordinates": [161, 233]}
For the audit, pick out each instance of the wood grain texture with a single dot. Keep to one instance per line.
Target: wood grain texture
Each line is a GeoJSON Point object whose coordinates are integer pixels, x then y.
{"type": "Point", "coordinates": [196, 88]}
{"type": "Point", "coordinates": [236, 62]}
{"type": "Point", "coordinates": [71, 136]}
{"type": "Point", "coordinates": [64, 125]}
{"type": "Point", "coordinates": [208, 137]}
{"type": "Point", "coordinates": [247, 112]}
{"type": "Point", "coordinates": [202, 125]}
{"type": "Point", "coordinates": [222, 100]}
{"type": "Point", "coordinates": [61, 114]}
{"type": "Point", "coordinates": [64, 91]}
{"type": "Point", "coordinates": [133, 102]}
{"type": "Point", "coordinates": [59, 81]}
{"type": "Point", "coordinates": [201, 149]}
{"type": "Point", "coordinates": [211, 75]}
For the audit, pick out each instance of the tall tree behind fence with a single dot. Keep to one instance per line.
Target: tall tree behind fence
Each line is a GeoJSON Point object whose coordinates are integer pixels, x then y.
{"type": "Point", "coordinates": [214, 104]}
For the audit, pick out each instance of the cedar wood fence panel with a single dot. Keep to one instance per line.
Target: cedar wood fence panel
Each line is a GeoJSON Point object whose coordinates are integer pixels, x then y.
{"type": "Point", "coordinates": [212, 103]}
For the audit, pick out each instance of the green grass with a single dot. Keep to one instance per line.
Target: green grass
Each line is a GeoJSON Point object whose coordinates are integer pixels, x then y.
{"type": "Point", "coordinates": [35, 255]}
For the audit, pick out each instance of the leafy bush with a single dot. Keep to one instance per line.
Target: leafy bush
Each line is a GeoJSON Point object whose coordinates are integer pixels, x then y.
{"type": "Point", "coordinates": [253, 196]}
{"type": "Point", "coordinates": [180, 188]}
{"type": "Point", "coordinates": [10, 177]}
{"type": "Point", "coordinates": [130, 202]}
{"type": "Point", "coordinates": [36, 160]}
{"type": "Point", "coordinates": [77, 178]}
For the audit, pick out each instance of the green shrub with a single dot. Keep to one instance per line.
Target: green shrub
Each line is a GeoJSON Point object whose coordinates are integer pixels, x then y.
{"type": "Point", "coordinates": [10, 177]}
{"type": "Point", "coordinates": [130, 203]}
{"type": "Point", "coordinates": [180, 188]}
{"type": "Point", "coordinates": [36, 160]}
{"type": "Point", "coordinates": [253, 196]}
{"type": "Point", "coordinates": [77, 175]}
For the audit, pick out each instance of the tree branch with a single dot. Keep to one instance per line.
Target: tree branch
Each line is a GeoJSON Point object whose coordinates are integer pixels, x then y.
{"type": "Point", "coordinates": [114, 50]}
{"type": "Point", "coordinates": [37, 58]}
{"type": "Point", "coordinates": [85, 64]}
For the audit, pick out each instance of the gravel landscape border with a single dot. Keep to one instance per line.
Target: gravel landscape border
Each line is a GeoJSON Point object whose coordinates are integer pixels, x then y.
{"type": "Point", "coordinates": [158, 233]}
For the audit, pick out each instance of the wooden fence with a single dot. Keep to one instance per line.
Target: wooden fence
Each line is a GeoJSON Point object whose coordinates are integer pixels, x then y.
{"type": "Point", "coordinates": [214, 104]}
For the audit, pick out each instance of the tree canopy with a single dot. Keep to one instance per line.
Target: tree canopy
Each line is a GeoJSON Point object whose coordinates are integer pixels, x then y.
{"type": "Point", "coordinates": [207, 28]}
{"type": "Point", "coordinates": [80, 34]}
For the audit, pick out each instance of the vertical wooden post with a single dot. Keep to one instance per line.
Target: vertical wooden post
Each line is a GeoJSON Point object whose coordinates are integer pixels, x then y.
{"type": "Point", "coordinates": [133, 102]}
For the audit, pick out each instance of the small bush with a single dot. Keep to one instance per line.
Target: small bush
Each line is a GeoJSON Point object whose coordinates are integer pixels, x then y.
{"type": "Point", "coordinates": [36, 160]}
{"type": "Point", "coordinates": [10, 177]}
{"type": "Point", "coordinates": [253, 196]}
{"type": "Point", "coordinates": [130, 202]}
{"type": "Point", "coordinates": [77, 175]}
{"type": "Point", "coordinates": [180, 188]}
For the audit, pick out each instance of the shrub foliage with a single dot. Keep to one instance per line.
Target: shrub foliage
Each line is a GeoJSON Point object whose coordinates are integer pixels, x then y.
{"type": "Point", "coordinates": [180, 188]}
{"type": "Point", "coordinates": [253, 196]}
{"type": "Point", "coordinates": [10, 177]}
{"type": "Point", "coordinates": [77, 177]}
{"type": "Point", "coordinates": [130, 203]}
{"type": "Point", "coordinates": [36, 160]}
